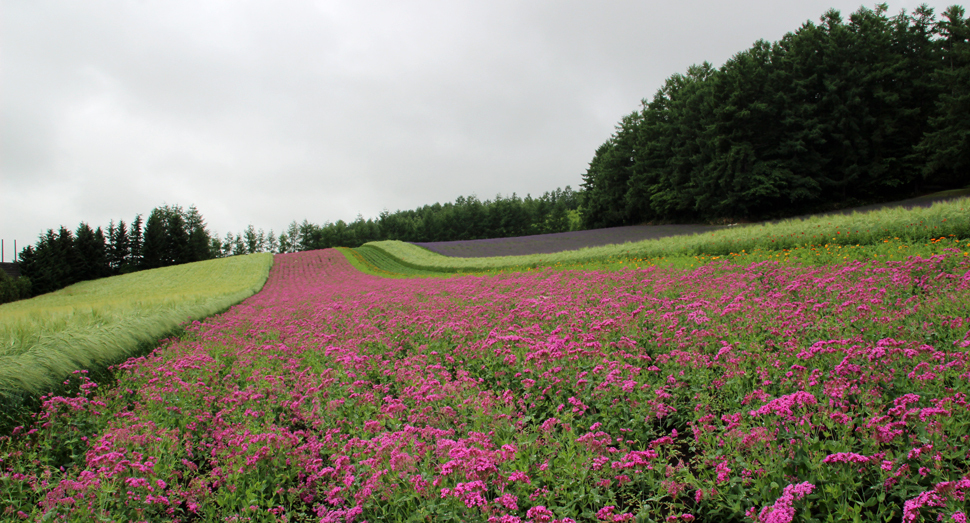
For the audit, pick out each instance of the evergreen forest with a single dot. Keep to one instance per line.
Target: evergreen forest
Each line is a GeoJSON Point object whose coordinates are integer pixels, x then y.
{"type": "Point", "coordinates": [468, 218]}
{"type": "Point", "coordinates": [170, 236]}
{"type": "Point", "coordinates": [838, 113]}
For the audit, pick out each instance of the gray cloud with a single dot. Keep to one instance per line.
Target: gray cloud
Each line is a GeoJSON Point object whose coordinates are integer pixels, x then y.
{"type": "Point", "coordinates": [267, 112]}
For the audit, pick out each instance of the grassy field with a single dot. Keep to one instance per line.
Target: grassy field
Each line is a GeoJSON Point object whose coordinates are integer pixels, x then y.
{"type": "Point", "coordinates": [98, 323]}
{"type": "Point", "coordinates": [374, 260]}
{"type": "Point", "coordinates": [947, 220]}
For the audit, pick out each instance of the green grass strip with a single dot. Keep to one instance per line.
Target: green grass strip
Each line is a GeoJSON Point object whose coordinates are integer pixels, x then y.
{"type": "Point", "coordinates": [95, 324]}
{"type": "Point", "coordinates": [946, 219]}
{"type": "Point", "coordinates": [372, 260]}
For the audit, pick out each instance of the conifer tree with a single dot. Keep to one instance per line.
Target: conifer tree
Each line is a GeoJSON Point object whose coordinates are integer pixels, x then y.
{"type": "Point", "coordinates": [285, 245]}
{"type": "Point", "coordinates": [88, 260]}
{"type": "Point", "coordinates": [112, 233]}
{"type": "Point", "coordinates": [177, 236]}
{"type": "Point", "coordinates": [252, 240]}
{"type": "Point", "coordinates": [136, 241]}
{"type": "Point", "coordinates": [227, 244]}
{"type": "Point", "coordinates": [947, 144]}
{"type": "Point", "coordinates": [272, 244]}
{"type": "Point", "coordinates": [155, 246]}
{"type": "Point", "coordinates": [215, 246]}
{"type": "Point", "coordinates": [831, 115]}
{"type": "Point", "coordinates": [120, 249]}
{"type": "Point", "coordinates": [238, 247]}
{"type": "Point", "coordinates": [198, 242]}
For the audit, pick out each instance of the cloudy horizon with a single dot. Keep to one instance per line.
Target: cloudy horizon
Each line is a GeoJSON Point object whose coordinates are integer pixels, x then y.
{"type": "Point", "coordinates": [264, 113]}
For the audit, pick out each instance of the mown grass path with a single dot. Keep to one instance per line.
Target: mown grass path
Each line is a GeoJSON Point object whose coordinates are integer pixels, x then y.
{"type": "Point", "coordinates": [726, 393]}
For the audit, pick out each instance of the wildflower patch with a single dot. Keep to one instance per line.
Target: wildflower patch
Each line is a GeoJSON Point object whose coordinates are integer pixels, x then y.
{"type": "Point", "coordinates": [759, 392]}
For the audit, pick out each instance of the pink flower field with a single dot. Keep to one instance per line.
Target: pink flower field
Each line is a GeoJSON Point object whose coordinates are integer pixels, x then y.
{"type": "Point", "coordinates": [759, 393]}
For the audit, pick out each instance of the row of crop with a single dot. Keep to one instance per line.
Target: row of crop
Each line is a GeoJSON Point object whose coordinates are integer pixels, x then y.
{"type": "Point", "coordinates": [95, 324]}
{"type": "Point", "coordinates": [373, 260]}
{"type": "Point", "coordinates": [946, 219]}
{"type": "Point", "coordinates": [724, 393]}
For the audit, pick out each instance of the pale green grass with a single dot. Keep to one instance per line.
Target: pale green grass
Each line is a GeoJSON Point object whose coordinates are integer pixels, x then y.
{"type": "Point", "coordinates": [946, 219]}
{"type": "Point", "coordinates": [98, 323]}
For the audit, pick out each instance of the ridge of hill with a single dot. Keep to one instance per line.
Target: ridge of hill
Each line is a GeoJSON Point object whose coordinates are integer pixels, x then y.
{"type": "Point", "coordinates": [944, 219]}
{"type": "Point", "coordinates": [573, 240]}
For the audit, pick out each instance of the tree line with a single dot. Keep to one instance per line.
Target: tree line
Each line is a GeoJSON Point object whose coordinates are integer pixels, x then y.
{"type": "Point", "coordinates": [171, 235]}
{"type": "Point", "coordinates": [835, 114]}
{"type": "Point", "coordinates": [468, 218]}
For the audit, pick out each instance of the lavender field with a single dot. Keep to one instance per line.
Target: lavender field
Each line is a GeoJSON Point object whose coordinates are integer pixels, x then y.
{"type": "Point", "coordinates": [562, 241]}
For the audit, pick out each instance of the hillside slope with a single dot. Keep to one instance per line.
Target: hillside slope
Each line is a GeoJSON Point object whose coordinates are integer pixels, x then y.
{"type": "Point", "coordinates": [97, 323]}
{"type": "Point", "coordinates": [573, 240]}
{"type": "Point", "coordinates": [948, 219]}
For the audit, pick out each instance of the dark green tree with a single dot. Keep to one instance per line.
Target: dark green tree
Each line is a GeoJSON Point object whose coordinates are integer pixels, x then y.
{"type": "Point", "coordinates": [946, 145]}
{"type": "Point", "coordinates": [830, 115]}
{"type": "Point", "coordinates": [119, 248]}
{"type": "Point", "coordinates": [606, 182]}
{"type": "Point", "coordinates": [285, 245]}
{"type": "Point", "coordinates": [253, 243]}
{"type": "Point", "coordinates": [13, 289]}
{"type": "Point", "coordinates": [176, 229]}
{"type": "Point", "coordinates": [155, 247]}
{"type": "Point", "coordinates": [198, 242]}
{"type": "Point", "coordinates": [89, 259]}
{"type": "Point", "coordinates": [136, 238]}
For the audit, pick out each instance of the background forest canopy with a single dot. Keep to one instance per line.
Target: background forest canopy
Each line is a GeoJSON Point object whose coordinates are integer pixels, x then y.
{"type": "Point", "coordinates": [172, 235]}
{"type": "Point", "coordinates": [834, 114]}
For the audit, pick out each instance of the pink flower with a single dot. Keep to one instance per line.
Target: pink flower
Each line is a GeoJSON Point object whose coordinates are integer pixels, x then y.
{"type": "Point", "coordinates": [783, 405]}
{"type": "Point", "coordinates": [845, 457]}
{"type": "Point", "coordinates": [925, 499]}
{"type": "Point", "coordinates": [508, 501]}
{"type": "Point", "coordinates": [539, 514]}
{"type": "Point", "coordinates": [606, 513]}
{"type": "Point", "coordinates": [783, 511]}
{"type": "Point", "coordinates": [722, 472]}
{"type": "Point", "coordinates": [518, 475]}
{"type": "Point", "coordinates": [932, 411]}
{"type": "Point", "coordinates": [549, 424]}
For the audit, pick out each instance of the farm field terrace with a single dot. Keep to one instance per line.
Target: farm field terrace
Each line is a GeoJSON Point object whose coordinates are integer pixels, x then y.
{"type": "Point", "coordinates": [731, 392]}
{"type": "Point", "coordinates": [94, 324]}
{"type": "Point", "coordinates": [574, 240]}
{"type": "Point", "coordinates": [950, 219]}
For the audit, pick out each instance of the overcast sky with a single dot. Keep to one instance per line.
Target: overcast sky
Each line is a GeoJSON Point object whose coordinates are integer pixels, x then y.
{"type": "Point", "coordinates": [268, 112]}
